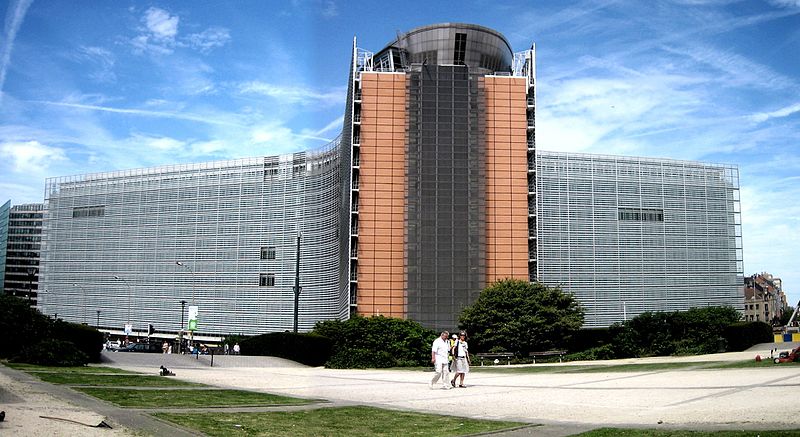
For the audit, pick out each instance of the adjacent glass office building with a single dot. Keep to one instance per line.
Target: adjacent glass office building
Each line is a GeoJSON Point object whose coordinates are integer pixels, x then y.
{"type": "Point", "coordinates": [434, 190]}
{"type": "Point", "coordinates": [113, 241]}
{"type": "Point", "coordinates": [628, 235]}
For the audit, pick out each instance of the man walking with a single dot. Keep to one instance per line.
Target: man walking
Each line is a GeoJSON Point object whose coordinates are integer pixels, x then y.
{"type": "Point", "coordinates": [440, 351]}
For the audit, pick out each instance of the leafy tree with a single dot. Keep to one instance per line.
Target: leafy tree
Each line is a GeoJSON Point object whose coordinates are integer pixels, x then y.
{"type": "Point", "coordinates": [787, 314]}
{"type": "Point", "coordinates": [518, 316]}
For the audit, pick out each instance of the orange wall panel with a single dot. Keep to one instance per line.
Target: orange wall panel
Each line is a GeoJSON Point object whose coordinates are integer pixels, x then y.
{"type": "Point", "coordinates": [506, 179]}
{"type": "Point", "coordinates": [381, 280]}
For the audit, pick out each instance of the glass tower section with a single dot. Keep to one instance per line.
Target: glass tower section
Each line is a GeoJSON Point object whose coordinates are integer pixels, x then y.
{"type": "Point", "coordinates": [4, 210]}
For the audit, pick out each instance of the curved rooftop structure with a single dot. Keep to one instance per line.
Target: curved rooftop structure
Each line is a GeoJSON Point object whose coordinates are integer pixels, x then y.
{"type": "Point", "coordinates": [453, 44]}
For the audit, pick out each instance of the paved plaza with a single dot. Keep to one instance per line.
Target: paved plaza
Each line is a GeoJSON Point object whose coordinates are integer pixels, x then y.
{"type": "Point", "coordinates": [697, 398]}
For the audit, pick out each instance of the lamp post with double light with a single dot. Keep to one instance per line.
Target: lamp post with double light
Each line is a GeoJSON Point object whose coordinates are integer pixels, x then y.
{"type": "Point", "coordinates": [180, 331]}
{"type": "Point", "coordinates": [191, 271]}
{"type": "Point", "coordinates": [84, 300]}
{"type": "Point", "coordinates": [130, 291]}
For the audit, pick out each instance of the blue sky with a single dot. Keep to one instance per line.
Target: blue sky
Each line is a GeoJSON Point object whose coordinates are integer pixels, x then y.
{"type": "Point", "coordinates": [107, 85]}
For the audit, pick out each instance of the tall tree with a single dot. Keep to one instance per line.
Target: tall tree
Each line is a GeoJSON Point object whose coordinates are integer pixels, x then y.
{"type": "Point", "coordinates": [519, 316]}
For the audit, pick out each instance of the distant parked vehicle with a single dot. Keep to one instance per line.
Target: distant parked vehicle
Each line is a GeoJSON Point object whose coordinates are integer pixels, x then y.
{"type": "Point", "coordinates": [142, 347]}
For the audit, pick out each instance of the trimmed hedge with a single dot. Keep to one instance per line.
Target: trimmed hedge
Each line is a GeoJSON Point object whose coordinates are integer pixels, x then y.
{"type": "Point", "coordinates": [309, 349]}
{"type": "Point", "coordinates": [52, 352]}
{"type": "Point", "coordinates": [377, 342]}
{"type": "Point", "coordinates": [743, 335]}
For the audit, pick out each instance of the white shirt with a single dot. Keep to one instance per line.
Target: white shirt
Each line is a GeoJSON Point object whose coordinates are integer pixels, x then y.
{"type": "Point", "coordinates": [442, 349]}
{"type": "Point", "coordinates": [462, 349]}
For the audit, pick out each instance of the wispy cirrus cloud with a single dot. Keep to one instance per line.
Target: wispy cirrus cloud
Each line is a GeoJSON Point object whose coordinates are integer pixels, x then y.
{"type": "Point", "coordinates": [14, 18]}
{"type": "Point", "coordinates": [209, 39]}
{"type": "Point", "coordinates": [30, 156]}
{"type": "Point", "coordinates": [100, 60]}
{"type": "Point", "coordinates": [293, 94]}
{"type": "Point", "coordinates": [786, 3]}
{"type": "Point", "coordinates": [779, 113]}
{"type": "Point", "coordinates": [145, 113]}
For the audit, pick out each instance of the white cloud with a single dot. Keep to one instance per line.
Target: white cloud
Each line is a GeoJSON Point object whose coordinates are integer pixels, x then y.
{"type": "Point", "coordinates": [739, 70]}
{"type": "Point", "coordinates": [786, 3]}
{"type": "Point", "coordinates": [783, 112]}
{"type": "Point", "coordinates": [160, 23]}
{"type": "Point", "coordinates": [101, 59]}
{"type": "Point", "coordinates": [329, 9]}
{"type": "Point", "coordinates": [209, 39]}
{"type": "Point", "coordinates": [148, 113]}
{"type": "Point", "coordinates": [13, 21]}
{"type": "Point", "coordinates": [161, 143]}
{"type": "Point", "coordinates": [31, 156]}
{"type": "Point", "coordinates": [293, 94]}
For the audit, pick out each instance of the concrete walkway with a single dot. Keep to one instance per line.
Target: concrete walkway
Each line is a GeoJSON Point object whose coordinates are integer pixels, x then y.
{"type": "Point", "coordinates": [554, 404]}
{"type": "Point", "coordinates": [685, 399]}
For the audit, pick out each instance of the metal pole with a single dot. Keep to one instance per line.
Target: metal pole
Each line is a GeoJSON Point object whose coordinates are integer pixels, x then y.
{"type": "Point", "coordinates": [84, 300]}
{"type": "Point", "coordinates": [98, 319]}
{"type": "Point", "coordinates": [297, 283]}
{"type": "Point", "coordinates": [129, 296]}
{"type": "Point", "coordinates": [180, 332]}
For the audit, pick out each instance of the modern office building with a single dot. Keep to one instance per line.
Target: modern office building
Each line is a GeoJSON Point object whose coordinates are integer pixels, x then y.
{"type": "Point", "coordinates": [4, 211]}
{"type": "Point", "coordinates": [24, 239]}
{"type": "Point", "coordinates": [433, 190]}
{"type": "Point", "coordinates": [629, 235]}
{"type": "Point", "coordinates": [114, 240]}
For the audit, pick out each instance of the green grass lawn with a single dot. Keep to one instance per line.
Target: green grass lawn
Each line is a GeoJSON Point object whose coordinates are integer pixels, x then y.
{"type": "Point", "coordinates": [622, 432]}
{"type": "Point", "coordinates": [33, 368]}
{"type": "Point", "coordinates": [333, 422]}
{"type": "Point", "coordinates": [132, 380]}
{"type": "Point", "coordinates": [597, 368]}
{"type": "Point", "coordinates": [189, 398]}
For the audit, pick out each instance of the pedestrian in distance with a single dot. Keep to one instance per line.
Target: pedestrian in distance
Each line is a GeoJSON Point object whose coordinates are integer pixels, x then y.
{"type": "Point", "coordinates": [462, 360]}
{"type": "Point", "coordinates": [440, 353]}
{"type": "Point", "coordinates": [236, 349]}
{"type": "Point", "coordinates": [452, 342]}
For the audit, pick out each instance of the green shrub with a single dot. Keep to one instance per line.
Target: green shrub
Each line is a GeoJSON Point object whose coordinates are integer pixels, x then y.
{"type": "Point", "coordinates": [743, 335]}
{"type": "Point", "coordinates": [21, 325]}
{"type": "Point", "coordinates": [604, 352]}
{"type": "Point", "coordinates": [377, 342]}
{"type": "Point", "coordinates": [52, 352]}
{"type": "Point", "coordinates": [309, 349]}
{"type": "Point", "coordinates": [86, 338]}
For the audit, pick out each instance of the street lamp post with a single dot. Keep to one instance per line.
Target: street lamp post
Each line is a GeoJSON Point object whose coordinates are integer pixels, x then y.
{"type": "Point", "coordinates": [297, 287]}
{"type": "Point", "coordinates": [129, 296]}
{"type": "Point", "coordinates": [180, 331]}
{"type": "Point", "coordinates": [84, 300]}
{"type": "Point", "coordinates": [98, 319]}
{"type": "Point", "coordinates": [191, 270]}
{"type": "Point", "coordinates": [31, 275]}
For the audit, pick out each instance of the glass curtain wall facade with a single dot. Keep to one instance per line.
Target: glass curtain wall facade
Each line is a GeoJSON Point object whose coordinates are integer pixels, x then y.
{"type": "Point", "coordinates": [630, 235]}
{"type": "Point", "coordinates": [4, 210]}
{"type": "Point", "coordinates": [113, 240]}
{"type": "Point", "coordinates": [22, 251]}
